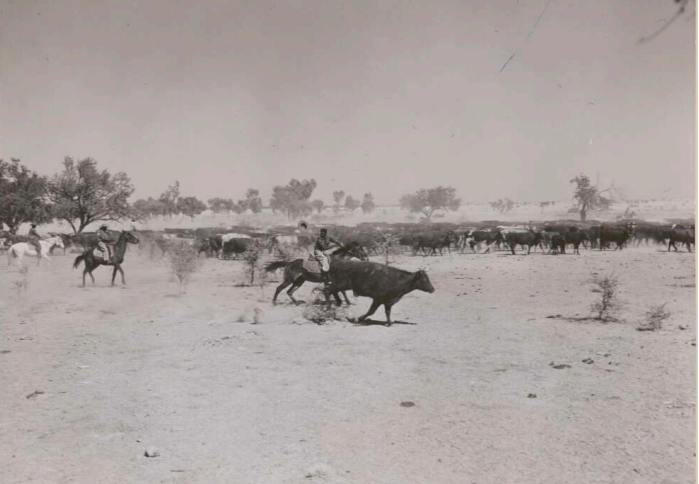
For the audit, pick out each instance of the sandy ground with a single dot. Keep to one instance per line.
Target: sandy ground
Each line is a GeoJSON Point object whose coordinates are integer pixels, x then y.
{"type": "Point", "coordinates": [223, 400]}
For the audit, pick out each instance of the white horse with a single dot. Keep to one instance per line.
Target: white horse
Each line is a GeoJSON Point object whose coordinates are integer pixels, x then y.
{"type": "Point", "coordinates": [20, 249]}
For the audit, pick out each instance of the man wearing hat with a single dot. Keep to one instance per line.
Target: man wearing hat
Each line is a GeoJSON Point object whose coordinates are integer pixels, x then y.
{"type": "Point", "coordinates": [323, 243]}
{"type": "Point", "coordinates": [34, 239]}
{"type": "Point", "coordinates": [105, 243]}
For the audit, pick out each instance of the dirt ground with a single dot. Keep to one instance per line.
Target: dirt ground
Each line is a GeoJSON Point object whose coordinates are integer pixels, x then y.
{"type": "Point", "coordinates": [464, 389]}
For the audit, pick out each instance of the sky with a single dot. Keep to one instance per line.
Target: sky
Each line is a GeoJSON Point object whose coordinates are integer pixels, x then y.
{"type": "Point", "coordinates": [364, 96]}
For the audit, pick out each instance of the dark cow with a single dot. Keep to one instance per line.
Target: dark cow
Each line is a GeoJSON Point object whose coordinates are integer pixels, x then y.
{"type": "Point", "coordinates": [618, 235]}
{"type": "Point", "coordinates": [529, 238]}
{"type": "Point", "coordinates": [575, 237]}
{"type": "Point", "coordinates": [385, 285]}
{"type": "Point", "coordinates": [681, 235]}
{"type": "Point", "coordinates": [235, 247]}
{"type": "Point", "coordinates": [556, 241]}
{"type": "Point", "coordinates": [435, 241]}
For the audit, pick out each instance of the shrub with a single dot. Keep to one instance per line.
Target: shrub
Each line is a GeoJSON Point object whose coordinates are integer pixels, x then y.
{"type": "Point", "coordinates": [655, 315]}
{"type": "Point", "coordinates": [184, 262]}
{"type": "Point", "coordinates": [609, 304]}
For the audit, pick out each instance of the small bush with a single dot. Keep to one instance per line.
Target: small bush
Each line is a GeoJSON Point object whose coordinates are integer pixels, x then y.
{"type": "Point", "coordinates": [655, 315]}
{"type": "Point", "coordinates": [387, 246]}
{"type": "Point", "coordinates": [253, 259]}
{"type": "Point", "coordinates": [609, 304]}
{"type": "Point", "coordinates": [183, 262]}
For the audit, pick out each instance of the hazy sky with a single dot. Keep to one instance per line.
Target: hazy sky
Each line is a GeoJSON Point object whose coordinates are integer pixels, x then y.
{"type": "Point", "coordinates": [379, 96]}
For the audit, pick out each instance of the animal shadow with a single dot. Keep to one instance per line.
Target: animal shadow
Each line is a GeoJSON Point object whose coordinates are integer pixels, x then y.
{"type": "Point", "coordinates": [373, 322]}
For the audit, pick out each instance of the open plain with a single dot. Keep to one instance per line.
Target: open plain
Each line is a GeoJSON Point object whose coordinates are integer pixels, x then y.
{"type": "Point", "coordinates": [496, 377]}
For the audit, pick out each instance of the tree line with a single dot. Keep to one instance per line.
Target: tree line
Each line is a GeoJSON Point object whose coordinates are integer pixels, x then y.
{"type": "Point", "coordinates": [81, 194]}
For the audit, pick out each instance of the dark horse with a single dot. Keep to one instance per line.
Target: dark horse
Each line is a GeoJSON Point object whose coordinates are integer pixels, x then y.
{"type": "Point", "coordinates": [295, 275]}
{"type": "Point", "coordinates": [92, 261]}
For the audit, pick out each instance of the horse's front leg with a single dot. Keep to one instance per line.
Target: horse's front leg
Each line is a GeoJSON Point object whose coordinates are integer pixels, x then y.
{"type": "Point", "coordinates": [114, 274]}
{"type": "Point", "coordinates": [121, 271]}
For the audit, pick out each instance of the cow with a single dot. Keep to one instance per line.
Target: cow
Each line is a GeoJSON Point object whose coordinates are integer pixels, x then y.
{"type": "Point", "coordinates": [618, 235]}
{"type": "Point", "coordinates": [529, 238]}
{"type": "Point", "coordinates": [383, 284]}
{"type": "Point", "coordinates": [475, 237]}
{"type": "Point", "coordinates": [235, 247]}
{"type": "Point", "coordinates": [682, 235]}
{"type": "Point", "coordinates": [575, 237]}
{"type": "Point", "coordinates": [435, 241]}
{"type": "Point", "coordinates": [557, 242]}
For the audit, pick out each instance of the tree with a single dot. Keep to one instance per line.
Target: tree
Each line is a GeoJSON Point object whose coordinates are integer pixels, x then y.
{"type": "Point", "coordinates": [351, 204]}
{"type": "Point", "coordinates": [368, 204]}
{"type": "Point", "coordinates": [190, 206]}
{"type": "Point", "coordinates": [338, 197]}
{"type": "Point", "coordinates": [22, 196]}
{"type": "Point", "coordinates": [427, 201]}
{"type": "Point", "coordinates": [589, 197]}
{"type": "Point", "coordinates": [169, 199]}
{"type": "Point", "coordinates": [219, 205]}
{"type": "Point", "coordinates": [318, 204]}
{"type": "Point", "coordinates": [254, 202]}
{"type": "Point", "coordinates": [292, 198]}
{"type": "Point", "coordinates": [82, 194]}
{"type": "Point", "coordinates": [145, 209]}
{"type": "Point", "coordinates": [503, 206]}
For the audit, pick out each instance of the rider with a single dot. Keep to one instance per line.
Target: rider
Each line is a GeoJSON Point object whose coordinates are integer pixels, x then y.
{"type": "Point", "coordinates": [323, 243]}
{"type": "Point", "coordinates": [105, 242]}
{"type": "Point", "coordinates": [34, 239]}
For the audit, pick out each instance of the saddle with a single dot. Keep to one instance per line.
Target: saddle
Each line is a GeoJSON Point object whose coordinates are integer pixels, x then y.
{"type": "Point", "coordinates": [97, 254]}
{"type": "Point", "coordinates": [312, 265]}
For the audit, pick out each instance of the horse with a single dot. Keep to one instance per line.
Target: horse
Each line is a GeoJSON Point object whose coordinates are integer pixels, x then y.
{"type": "Point", "coordinates": [93, 261]}
{"type": "Point", "coordinates": [20, 249]}
{"type": "Point", "coordinates": [295, 274]}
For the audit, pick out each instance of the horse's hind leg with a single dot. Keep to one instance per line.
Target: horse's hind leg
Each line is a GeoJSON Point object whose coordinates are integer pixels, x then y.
{"type": "Point", "coordinates": [297, 283]}
{"type": "Point", "coordinates": [280, 288]}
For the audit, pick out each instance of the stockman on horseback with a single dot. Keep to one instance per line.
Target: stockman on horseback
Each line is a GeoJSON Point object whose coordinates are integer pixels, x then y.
{"type": "Point", "coordinates": [34, 239]}
{"type": "Point", "coordinates": [323, 243]}
{"type": "Point", "coordinates": [105, 243]}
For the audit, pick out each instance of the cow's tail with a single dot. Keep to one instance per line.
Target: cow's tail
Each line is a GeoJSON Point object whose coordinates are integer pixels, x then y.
{"type": "Point", "coordinates": [78, 260]}
{"type": "Point", "coordinates": [10, 254]}
{"type": "Point", "coordinates": [275, 265]}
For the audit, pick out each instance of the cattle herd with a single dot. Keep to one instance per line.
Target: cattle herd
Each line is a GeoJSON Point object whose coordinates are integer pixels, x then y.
{"type": "Point", "coordinates": [418, 239]}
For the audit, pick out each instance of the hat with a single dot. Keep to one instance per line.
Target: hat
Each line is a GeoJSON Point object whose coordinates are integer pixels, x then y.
{"type": "Point", "coordinates": [104, 226]}
{"type": "Point", "coordinates": [33, 226]}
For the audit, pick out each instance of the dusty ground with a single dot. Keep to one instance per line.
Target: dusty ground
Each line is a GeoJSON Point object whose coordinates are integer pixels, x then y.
{"type": "Point", "coordinates": [288, 401]}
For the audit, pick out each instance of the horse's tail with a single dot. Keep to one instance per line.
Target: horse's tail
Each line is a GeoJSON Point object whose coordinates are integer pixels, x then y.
{"type": "Point", "coordinates": [276, 265]}
{"type": "Point", "coordinates": [78, 260]}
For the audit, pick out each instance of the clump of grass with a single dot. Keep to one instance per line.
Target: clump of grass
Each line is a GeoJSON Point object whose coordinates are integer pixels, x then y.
{"type": "Point", "coordinates": [655, 315]}
{"type": "Point", "coordinates": [183, 262]}
{"type": "Point", "coordinates": [609, 303]}
{"type": "Point", "coordinates": [319, 312]}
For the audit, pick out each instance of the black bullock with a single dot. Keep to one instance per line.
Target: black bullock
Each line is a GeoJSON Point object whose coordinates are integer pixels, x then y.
{"type": "Point", "coordinates": [529, 239]}
{"type": "Point", "coordinates": [385, 285]}
{"type": "Point", "coordinates": [618, 235]}
{"type": "Point", "coordinates": [681, 235]}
